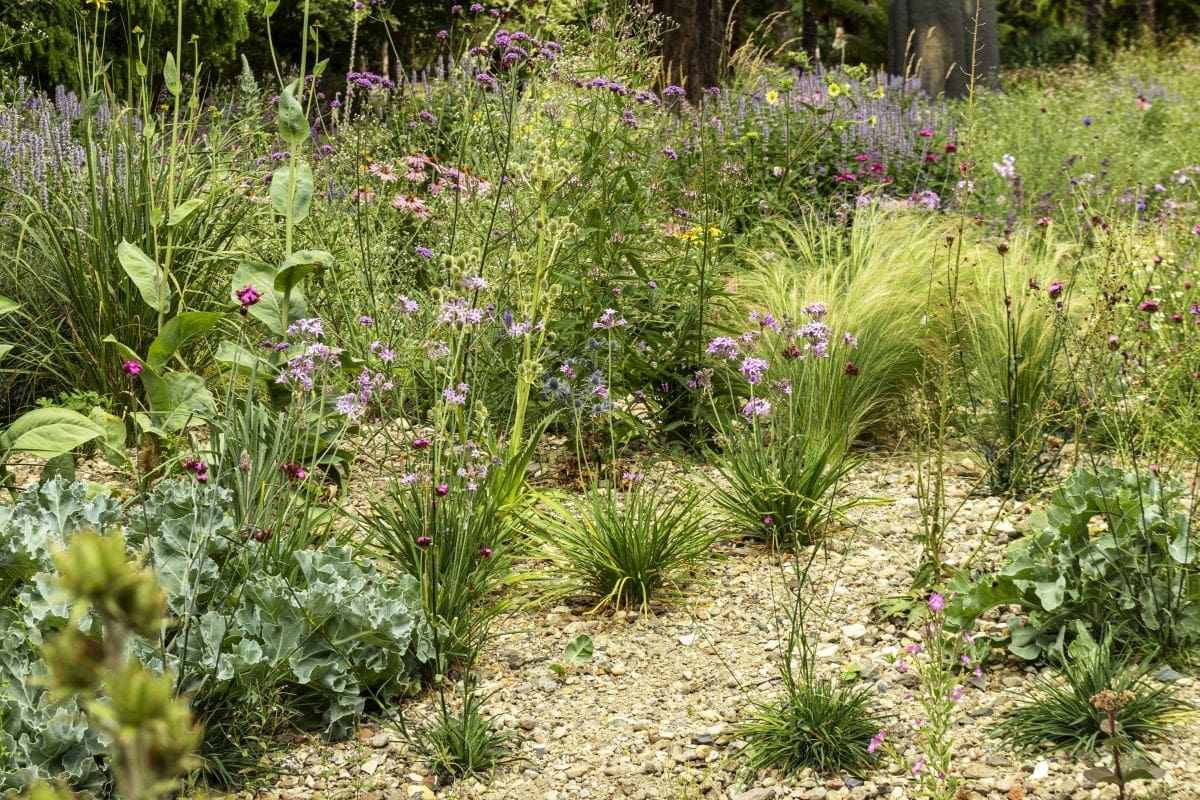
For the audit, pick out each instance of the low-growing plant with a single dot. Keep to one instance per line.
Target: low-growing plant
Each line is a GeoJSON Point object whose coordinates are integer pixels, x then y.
{"type": "Point", "coordinates": [782, 491]}
{"type": "Point", "coordinates": [823, 725]}
{"type": "Point", "coordinates": [317, 642]}
{"type": "Point", "coordinates": [462, 744]}
{"type": "Point", "coordinates": [577, 652]}
{"type": "Point", "coordinates": [626, 549]}
{"type": "Point", "coordinates": [441, 524]}
{"type": "Point", "coordinates": [1114, 550]}
{"type": "Point", "coordinates": [1061, 712]}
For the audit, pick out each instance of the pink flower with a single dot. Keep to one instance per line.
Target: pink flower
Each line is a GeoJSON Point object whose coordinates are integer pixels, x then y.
{"type": "Point", "coordinates": [937, 603]}
{"type": "Point", "coordinates": [248, 295]}
{"type": "Point", "coordinates": [412, 205]}
{"type": "Point", "coordinates": [384, 172]}
{"type": "Point", "coordinates": [917, 767]}
{"type": "Point", "coordinates": [1149, 306]}
{"type": "Point", "coordinates": [424, 541]}
{"type": "Point", "coordinates": [1055, 289]}
{"type": "Point", "coordinates": [926, 132]}
{"type": "Point", "coordinates": [131, 368]}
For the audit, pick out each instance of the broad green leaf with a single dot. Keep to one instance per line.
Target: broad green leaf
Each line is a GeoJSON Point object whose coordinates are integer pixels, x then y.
{"type": "Point", "coordinates": [293, 125]}
{"type": "Point", "coordinates": [7, 306]}
{"type": "Point", "coordinates": [1100, 775]}
{"type": "Point", "coordinates": [146, 275]}
{"type": "Point", "coordinates": [319, 68]}
{"type": "Point", "coordinates": [171, 75]}
{"type": "Point", "coordinates": [1050, 593]}
{"type": "Point", "coordinates": [152, 382]}
{"type": "Point", "coordinates": [179, 330]}
{"type": "Point", "coordinates": [5, 349]}
{"type": "Point", "coordinates": [292, 201]}
{"type": "Point", "coordinates": [48, 432]}
{"type": "Point", "coordinates": [184, 211]}
{"type": "Point", "coordinates": [270, 8]}
{"type": "Point", "coordinates": [298, 265]}
{"type": "Point", "coordinates": [112, 441]}
{"type": "Point", "coordinates": [269, 309]}
{"type": "Point", "coordinates": [242, 359]}
{"type": "Point", "coordinates": [189, 401]}
{"type": "Point", "coordinates": [578, 650]}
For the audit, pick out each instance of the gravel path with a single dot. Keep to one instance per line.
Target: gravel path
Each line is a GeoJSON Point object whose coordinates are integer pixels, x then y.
{"type": "Point", "coordinates": [654, 714]}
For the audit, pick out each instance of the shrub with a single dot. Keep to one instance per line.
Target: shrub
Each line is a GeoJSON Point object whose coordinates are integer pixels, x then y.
{"type": "Point", "coordinates": [625, 549]}
{"type": "Point", "coordinates": [1061, 711]}
{"type": "Point", "coordinates": [1113, 550]}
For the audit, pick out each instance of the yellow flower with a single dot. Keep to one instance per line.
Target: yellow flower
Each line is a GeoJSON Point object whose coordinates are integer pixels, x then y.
{"type": "Point", "coordinates": [879, 92]}
{"type": "Point", "coordinates": [834, 89]}
{"type": "Point", "coordinates": [772, 97]}
{"type": "Point", "coordinates": [872, 120]}
{"type": "Point", "coordinates": [99, 4]}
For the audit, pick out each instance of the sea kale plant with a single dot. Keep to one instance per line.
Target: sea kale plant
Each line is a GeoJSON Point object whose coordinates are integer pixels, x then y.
{"type": "Point", "coordinates": [1113, 550]}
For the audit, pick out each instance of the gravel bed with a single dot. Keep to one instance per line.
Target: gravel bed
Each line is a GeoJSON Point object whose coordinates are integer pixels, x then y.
{"type": "Point", "coordinates": [654, 714]}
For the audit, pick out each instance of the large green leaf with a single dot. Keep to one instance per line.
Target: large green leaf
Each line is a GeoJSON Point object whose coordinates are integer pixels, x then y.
{"type": "Point", "coordinates": [146, 275]}
{"type": "Point", "coordinates": [7, 306]}
{"type": "Point", "coordinates": [189, 402]}
{"type": "Point", "coordinates": [112, 441]}
{"type": "Point", "coordinates": [48, 432]}
{"type": "Point", "coordinates": [578, 650]}
{"type": "Point", "coordinates": [293, 125]}
{"type": "Point", "coordinates": [184, 211]}
{"type": "Point", "coordinates": [269, 309]}
{"type": "Point", "coordinates": [171, 75]}
{"type": "Point", "coordinates": [244, 361]}
{"type": "Point", "coordinates": [292, 201]}
{"type": "Point", "coordinates": [179, 330]}
{"type": "Point", "coordinates": [297, 265]}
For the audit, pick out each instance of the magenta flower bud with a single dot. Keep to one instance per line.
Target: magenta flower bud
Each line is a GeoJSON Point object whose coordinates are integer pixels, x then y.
{"type": "Point", "coordinates": [420, 444]}
{"type": "Point", "coordinates": [441, 490]}
{"type": "Point", "coordinates": [248, 295]}
{"type": "Point", "coordinates": [131, 368]}
{"type": "Point", "coordinates": [486, 552]}
{"type": "Point", "coordinates": [424, 541]}
{"type": "Point", "coordinates": [1055, 289]}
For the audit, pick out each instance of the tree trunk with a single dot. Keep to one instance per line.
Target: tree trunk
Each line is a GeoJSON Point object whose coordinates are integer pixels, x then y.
{"type": "Point", "coordinates": [808, 34]}
{"type": "Point", "coordinates": [1148, 17]}
{"type": "Point", "coordinates": [945, 43]}
{"type": "Point", "coordinates": [692, 50]}
{"type": "Point", "coordinates": [1093, 11]}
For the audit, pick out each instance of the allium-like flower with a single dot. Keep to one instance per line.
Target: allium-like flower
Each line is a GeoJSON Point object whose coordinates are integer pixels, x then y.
{"type": "Point", "coordinates": [609, 320]}
{"type": "Point", "coordinates": [424, 541]}
{"type": "Point", "coordinates": [485, 552]}
{"type": "Point", "coordinates": [1055, 289]}
{"type": "Point", "coordinates": [756, 407]}
{"type": "Point", "coordinates": [1149, 306]}
{"type": "Point", "coordinates": [131, 368]}
{"type": "Point", "coordinates": [723, 347]}
{"type": "Point", "coordinates": [441, 490]}
{"type": "Point", "coordinates": [753, 368]}
{"type": "Point", "coordinates": [420, 444]}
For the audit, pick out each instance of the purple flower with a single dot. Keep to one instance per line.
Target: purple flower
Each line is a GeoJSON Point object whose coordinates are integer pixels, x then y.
{"type": "Point", "coordinates": [293, 471]}
{"type": "Point", "coordinates": [424, 252]}
{"type": "Point", "coordinates": [485, 552]}
{"type": "Point", "coordinates": [424, 541]}
{"type": "Point", "coordinates": [753, 368]}
{"type": "Point", "coordinates": [756, 407]}
{"type": "Point", "coordinates": [723, 347]}
{"type": "Point", "coordinates": [441, 490]}
{"type": "Point", "coordinates": [131, 368]}
{"type": "Point", "coordinates": [608, 320]}
{"type": "Point", "coordinates": [1149, 306]}
{"type": "Point", "coordinates": [877, 740]}
{"type": "Point", "coordinates": [937, 603]}
{"type": "Point", "coordinates": [1055, 289]}
{"type": "Point", "coordinates": [248, 296]}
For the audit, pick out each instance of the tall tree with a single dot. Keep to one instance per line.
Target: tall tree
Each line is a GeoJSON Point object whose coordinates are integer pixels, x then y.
{"type": "Point", "coordinates": [693, 49]}
{"type": "Point", "coordinates": [1093, 14]}
{"type": "Point", "coordinates": [945, 43]}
